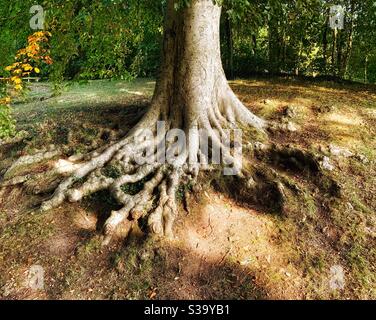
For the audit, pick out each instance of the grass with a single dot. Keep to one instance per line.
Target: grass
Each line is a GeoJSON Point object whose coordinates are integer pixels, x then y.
{"type": "Point", "coordinates": [320, 230]}
{"type": "Point", "coordinates": [349, 123]}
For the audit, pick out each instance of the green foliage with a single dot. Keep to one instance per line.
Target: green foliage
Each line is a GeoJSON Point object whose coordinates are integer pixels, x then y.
{"type": "Point", "coordinates": [7, 124]}
{"type": "Point", "coordinates": [294, 37]}
{"type": "Point", "coordinates": [105, 39]}
{"type": "Point", "coordinates": [99, 39]}
{"type": "Point", "coordinates": [14, 29]}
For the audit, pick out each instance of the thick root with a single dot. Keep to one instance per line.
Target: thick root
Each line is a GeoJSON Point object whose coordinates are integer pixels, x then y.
{"type": "Point", "coordinates": [80, 176]}
{"type": "Point", "coordinates": [29, 160]}
{"type": "Point", "coordinates": [156, 201]}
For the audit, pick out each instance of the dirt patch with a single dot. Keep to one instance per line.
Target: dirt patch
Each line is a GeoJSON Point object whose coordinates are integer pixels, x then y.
{"type": "Point", "coordinates": [221, 231]}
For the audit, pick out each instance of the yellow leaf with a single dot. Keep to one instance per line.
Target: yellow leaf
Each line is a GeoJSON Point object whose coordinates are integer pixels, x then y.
{"type": "Point", "coordinates": [5, 100]}
{"type": "Point", "coordinates": [18, 87]}
{"type": "Point", "coordinates": [16, 80]}
{"type": "Point", "coordinates": [36, 70]}
{"type": "Point", "coordinates": [27, 67]}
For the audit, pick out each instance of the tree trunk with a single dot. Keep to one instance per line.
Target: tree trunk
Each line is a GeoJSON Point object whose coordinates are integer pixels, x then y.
{"type": "Point", "coordinates": [334, 52]}
{"type": "Point", "coordinates": [300, 51]}
{"type": "Point", "coordinates": [191, 94]}
{"type": "Point", "coordinates": [273, 46]}
{"type": "Point", "coordinates": [349, 44]}
{"type": "Point", "coordinates": [339, 53]}
{"type": "Point", "coordinates": [192, 85]}
{"type": "Point", "coordinates": [325, 42]}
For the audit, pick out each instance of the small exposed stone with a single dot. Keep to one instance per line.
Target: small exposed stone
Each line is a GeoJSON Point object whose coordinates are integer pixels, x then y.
{"type": "Point", "coordinates": [326, 164]}
{"type": "Point", "coordinates": [259, 146]}
{"type": "Point", "coordinates": [340, 152]}
{"type": "Point", "coordinates": [337, 279]}
{"type": "Point", "coordinates": [291, 127]}
{"type": "Point", "coordinates": [285, 125]}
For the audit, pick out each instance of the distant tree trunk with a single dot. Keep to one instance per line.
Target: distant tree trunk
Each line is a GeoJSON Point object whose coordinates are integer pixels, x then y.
{"type": "Point", "coordinates": [349, 45]}
{"type": "Point", "coordinates": [325, 42]}
{"type": "Point", "coordinates": [339, 53]}
{"type": "Point", "coordinates": [284, 49]}
{"type": "Point", "coordinates": [273, 46]}
{"type": "Point", "coordinates": [254, 41]}
{"type": "Point", "coordinates": [230, 47]}
{"type": "Point", "coordinates": [300, 49]}
{"type": "Point", "coordinates": [334, 52]}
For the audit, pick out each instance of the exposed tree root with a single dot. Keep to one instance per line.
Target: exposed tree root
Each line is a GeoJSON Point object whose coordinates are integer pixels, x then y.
{"type": "Point", "coordinates": [279, 176]}
{"type": "Point", "coordinates": [114, 167]}
{"type": "Point", "coordinates": [29, 160]}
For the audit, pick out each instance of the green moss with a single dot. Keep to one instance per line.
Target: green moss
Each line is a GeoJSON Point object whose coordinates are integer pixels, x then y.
{"type": "Point", "coordinates": [137, 264]}
{"type": "Point", "coordinates": [359, 205]}
{"type": "Point", "coordinates": [134, 188]}
{"type": "Point", "coordinates": [182, 189]}
{"type": "Point", "coordinates": [111, 172]}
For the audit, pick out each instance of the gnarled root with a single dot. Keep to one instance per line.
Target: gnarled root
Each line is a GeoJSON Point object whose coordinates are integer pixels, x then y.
{"type": "Point", "coordinates": [78, 177]}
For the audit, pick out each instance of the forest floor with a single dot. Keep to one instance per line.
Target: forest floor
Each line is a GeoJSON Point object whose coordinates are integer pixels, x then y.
{"type": "Point", "coordinates": [320, 248]}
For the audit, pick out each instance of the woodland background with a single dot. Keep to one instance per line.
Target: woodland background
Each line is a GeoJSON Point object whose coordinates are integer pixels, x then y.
{"type": "Point", "coordinates": [105, 39]}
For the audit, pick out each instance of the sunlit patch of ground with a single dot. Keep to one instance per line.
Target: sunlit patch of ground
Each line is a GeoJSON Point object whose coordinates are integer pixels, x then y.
{"type": "Point", "coordinates": [221, 231]}
{"type": "Point", "coordinates": [222, 249]}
